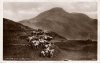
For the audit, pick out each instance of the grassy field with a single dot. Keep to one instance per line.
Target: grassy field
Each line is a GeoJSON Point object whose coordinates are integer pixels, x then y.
{"type": "Point", "coordinates": [83, 45]}
{"type": "Point", "coordinates": [64, 50]}
{"type": "Point", "coordinates": [78, 49]}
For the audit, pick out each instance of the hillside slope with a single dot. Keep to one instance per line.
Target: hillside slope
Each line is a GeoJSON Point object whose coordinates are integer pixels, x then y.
{"type": "Point", "coordinates": [13, 31]}
{"type": "Point", "coordinates": [68, 25]}
{"type": "Point", "coordinates": [15, 43]}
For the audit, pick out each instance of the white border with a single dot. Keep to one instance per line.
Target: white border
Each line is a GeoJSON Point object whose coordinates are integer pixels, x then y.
{"type": "Point", "coordinates": [98, 15]}
{"type": "Point", "coordinates": [49, 0]}
{"type": "Point", "coordinates": [1, 30]}
{"type": "Point", "coordinates": [50, 61]}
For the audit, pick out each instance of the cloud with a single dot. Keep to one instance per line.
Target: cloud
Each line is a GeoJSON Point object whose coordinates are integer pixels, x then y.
{"type": "Point", "coordinates": [85, 6]}
{"type": "Point", "coordinates": [91, 14]}
{"type": "Point", "coordinates": [19, 15]}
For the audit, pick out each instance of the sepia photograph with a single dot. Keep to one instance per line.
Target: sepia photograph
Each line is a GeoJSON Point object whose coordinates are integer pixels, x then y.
{"type": "Point", "coordinates": [50, 31]}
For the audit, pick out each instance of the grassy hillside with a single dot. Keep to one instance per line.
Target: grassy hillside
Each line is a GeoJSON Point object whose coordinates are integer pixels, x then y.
{"type": "Point", "coordinates": [12, 33]}
{"type": "Point", "coordinates": [78, 45]}
{"type": "Point", "coordinates": [14, 43]}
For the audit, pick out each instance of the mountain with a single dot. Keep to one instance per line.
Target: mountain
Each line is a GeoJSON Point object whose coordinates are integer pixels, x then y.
{"type": "Point", "coordinates": [69, 25]}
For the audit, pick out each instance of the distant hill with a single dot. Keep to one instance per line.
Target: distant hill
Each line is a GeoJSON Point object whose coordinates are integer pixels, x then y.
{"type": "Point", "coordinates": [69, 25]}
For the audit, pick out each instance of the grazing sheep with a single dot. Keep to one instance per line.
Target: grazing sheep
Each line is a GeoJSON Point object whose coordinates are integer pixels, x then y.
{"type": "Point", "coordinates": [30, 38]}
{"type": "Point", "coordinates": [36, 44]}
{"type": "Point", "coordinates": [43, 53]}
{"type": "Point", "coordinates": [51, 52]}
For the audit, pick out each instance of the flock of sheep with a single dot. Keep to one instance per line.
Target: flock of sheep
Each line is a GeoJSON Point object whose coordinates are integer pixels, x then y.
{"type": "Point", "coordinates": [41, 39]}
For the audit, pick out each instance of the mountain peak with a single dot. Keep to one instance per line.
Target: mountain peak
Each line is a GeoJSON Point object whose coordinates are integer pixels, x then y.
{"type": "Point", "coordinates": [57, 9]}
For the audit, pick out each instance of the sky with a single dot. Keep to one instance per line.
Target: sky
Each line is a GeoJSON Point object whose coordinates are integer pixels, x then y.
{"type": "Point", "coordinates": [18, 11]}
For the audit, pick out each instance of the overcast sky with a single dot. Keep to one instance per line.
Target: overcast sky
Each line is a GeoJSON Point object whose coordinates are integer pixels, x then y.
{"type": "Point", "coordinates": [25, 10]}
